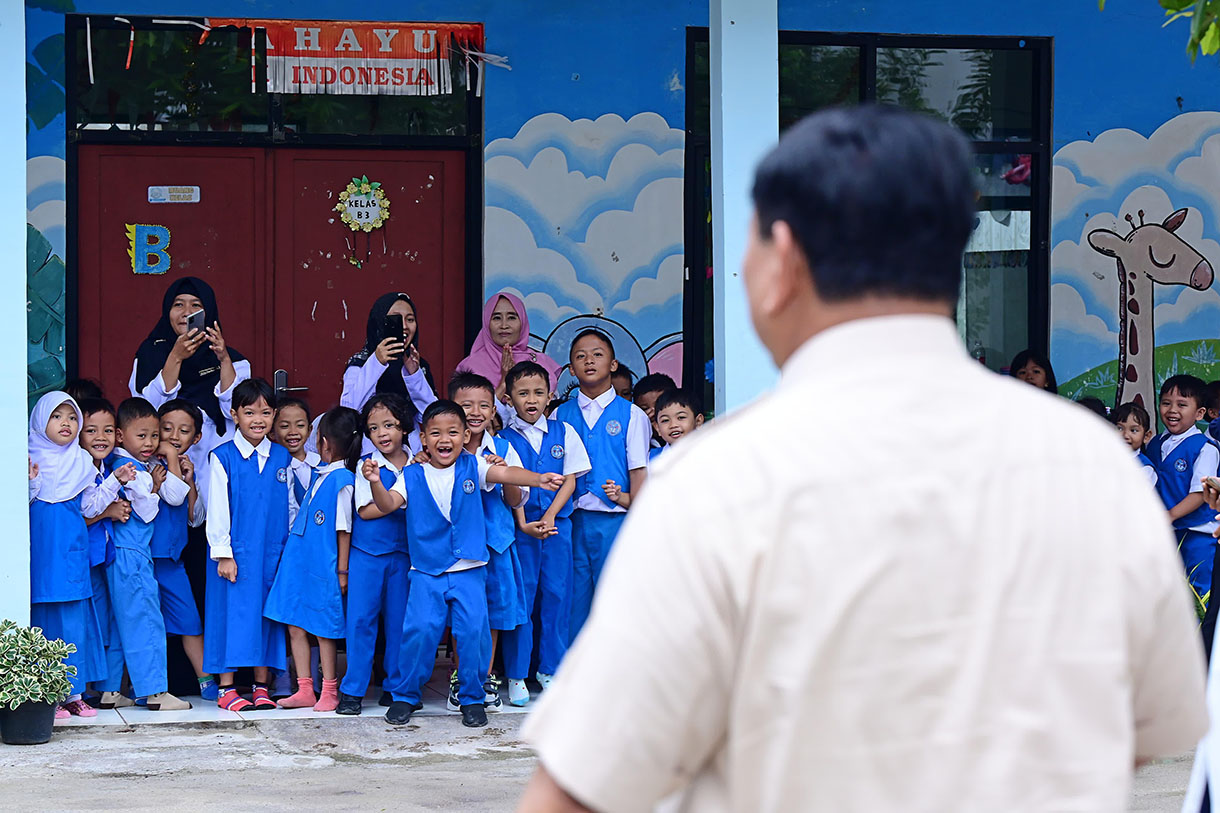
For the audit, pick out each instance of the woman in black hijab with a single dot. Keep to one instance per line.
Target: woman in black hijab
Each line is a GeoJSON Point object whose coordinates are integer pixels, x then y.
{"type": "Point", "coordinates": [194, 365]}
{"type": "Point", "coordinates": [389, 364]}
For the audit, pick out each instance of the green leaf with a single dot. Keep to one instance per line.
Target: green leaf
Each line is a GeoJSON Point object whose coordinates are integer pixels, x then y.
{"type": "Point", "coordinates": [49, 54]}
{"type": "Point", "coordinates": [1175, 6]}
{"type": "Point", "coordinates": [1211, 40]}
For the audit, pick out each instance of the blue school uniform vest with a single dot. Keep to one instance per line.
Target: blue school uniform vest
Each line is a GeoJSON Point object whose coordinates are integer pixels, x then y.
{"type": "Point", "coordinates": [548, 459]}
{"type": "Point", "coordinates": [383, 535]}
{"type": "Point", "coordinates": [59, 552]}
{"type": "Point", "coordinates": [101, 546]}
{"type": "Point", "coordinates": [169, 530]}
{"type": "Point", "coordinates": [1144, 460]}
{"type": "Point", "coordinates": [436, 544]}
{"type": "Point", "coordinates": [498, 517]}
{"type": "Point", "coordinates": [1175, 476]}
{"type": "Point", "coordinates": [606, 444]}
{"type": "Point", "coordinates": [134, 534]}
{"type": "Point", "coordinates": [258, 501]}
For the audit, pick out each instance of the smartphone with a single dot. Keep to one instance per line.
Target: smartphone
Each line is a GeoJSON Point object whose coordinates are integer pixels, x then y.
{"type": "Point", "coordinates": [393, 327]}
{"type": "Point", "coordinates": [195, 321]}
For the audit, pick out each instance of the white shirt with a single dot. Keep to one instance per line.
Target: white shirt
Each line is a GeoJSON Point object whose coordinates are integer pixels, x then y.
{"type": "Point", "coordinates": [440, 485]}
{"type": "Point", "coordinates": [95, 498]}
{"type": "Point", "coordinates": [575, 457]}
{"type": "Point", "coordinates": [220, 546]}
{"type": "Point", "coordinates": [1206, 465]}
{"type": "Point", "coordinates": [359, 384]}
{"type": "Point", "coordinates": [364, 489]}
{"type": "Point", "coordinates": [639, 434]}
{"type": "Point", "coordinates": [343, 507]}
{"type": "Point", "coordinates": [998, 622]}
{"type": "Point", "coordinates": [303, 471]}
{"type": "Point", "coordinates": [1149, 471]}
{"type": "Point", "coordinates": [511, 458]}
{"type": "Point", "coordinates": [139, 492]}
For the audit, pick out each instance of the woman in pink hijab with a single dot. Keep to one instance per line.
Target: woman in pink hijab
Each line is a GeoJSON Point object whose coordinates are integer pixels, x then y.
{"type": "Point", "coordinates": [503, 342]}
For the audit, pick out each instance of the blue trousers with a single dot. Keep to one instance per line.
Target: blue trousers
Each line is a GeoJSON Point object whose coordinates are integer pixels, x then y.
{"type": "Point", "coordinates": [135, 599]}
{"type": "Point", "coordinates": [547, 570]}
{"type": "Point", "coordinates": [376, 589]}
{"type": "Point", "coordinates": [178, 606]}
{"type": "Point", "coordinates": [1198, 552]}
{"type": "Point", "coordinates": [458, 600]}
{"type": "Point", "coordinates": [593, 534]}
{"type": "Point", "coordinates": [73, 622]}
{"type": "Point", "coordinates": [111, 679]}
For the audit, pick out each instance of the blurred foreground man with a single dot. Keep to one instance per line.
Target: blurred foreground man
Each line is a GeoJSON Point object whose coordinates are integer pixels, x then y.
{"type": "Point", "coordinates": [898, 581]}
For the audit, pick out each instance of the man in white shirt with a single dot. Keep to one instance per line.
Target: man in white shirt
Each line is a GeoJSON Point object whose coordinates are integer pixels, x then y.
{"type": "Point", "coordinates": [983, 613]}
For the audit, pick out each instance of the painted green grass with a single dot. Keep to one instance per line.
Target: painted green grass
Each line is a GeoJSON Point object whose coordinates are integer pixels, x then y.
{"type": "Point", "coordinates": [1200, 358]}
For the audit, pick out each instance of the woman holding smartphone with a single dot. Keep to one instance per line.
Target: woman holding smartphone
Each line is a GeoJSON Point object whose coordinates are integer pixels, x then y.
{"type": "Point", "coordinates": [390, 361]}
{"type": "Point", "coordinates": [185, 356]}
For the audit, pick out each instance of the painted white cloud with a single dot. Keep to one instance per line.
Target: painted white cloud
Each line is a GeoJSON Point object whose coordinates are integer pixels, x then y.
{"type": "Point", "coordinates": [519, 263]}
{"type": "Point", "coordinates": [543, 308]}
{"type": "Point", "coordinates": [1080, 340]}
{"type": "Point", "coordinates": [1065, 189]}
{"type": "Point", "coordinates": [45, 170]}
{"type": "Point", "coordinates": [650, 291]}
{"type": "Point", "coordinates": [1117, 154]}
{"type": "Point", "coordinates": [621, 242]}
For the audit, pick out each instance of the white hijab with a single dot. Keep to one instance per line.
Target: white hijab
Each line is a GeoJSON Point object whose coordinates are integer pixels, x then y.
{"type": "Point", "coordinates": [63, 471]}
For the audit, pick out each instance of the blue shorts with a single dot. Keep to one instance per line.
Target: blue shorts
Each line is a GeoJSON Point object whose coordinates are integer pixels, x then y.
{"type": "Point", "coordinates": [177, 600]}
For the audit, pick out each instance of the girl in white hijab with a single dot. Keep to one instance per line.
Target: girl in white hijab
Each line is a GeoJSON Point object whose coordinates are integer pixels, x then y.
{"type": "Point", "coordinates": [63, 491]}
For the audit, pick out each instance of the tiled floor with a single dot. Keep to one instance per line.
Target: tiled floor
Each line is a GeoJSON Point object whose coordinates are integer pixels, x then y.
{"type": "Point", "coordinates": [205, 711]}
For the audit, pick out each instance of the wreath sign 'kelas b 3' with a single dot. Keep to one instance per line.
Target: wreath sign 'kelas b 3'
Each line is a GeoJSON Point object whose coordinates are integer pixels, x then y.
{"type": "Point", "coordinates": [363, 206]}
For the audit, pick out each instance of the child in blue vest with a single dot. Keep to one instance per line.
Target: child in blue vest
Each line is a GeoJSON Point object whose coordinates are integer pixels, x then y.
{"type": "Point", "coordinates": [505, 580]}
{"type": "Point", "coordinates": [378, 563]}
{"type": "Point", "coordinates": [293, 426]}
{"type": "Point", "coordinates": [181, 429]}
{"type": "Point", "coordinates": [248, 501]}
{"type": "Point", "coordinates": [616, 435]}
{"type": "Point", "coordinates": [1211, 401]}
{"type": "Point", "coordinates": [544, 529]}
{"type": "Point", "coordinates": [97, 438]}
{"type": "Point", "coordinates": [63, 491]}
{"type": "Point", "coordinates": [1134, 424]}
{"type": "Point", "coordinates": [447, 538]}
{"type": "Point", "coordinates": [313, 574]}
{"type": "Point", "coordinates": [677, 413]}
{"type": "Point", "coordinates": [645, 394]}
{"type": "Point", "coordinates": [1183, 456]}
{"type": "Point", "coordinates": [135, 596]}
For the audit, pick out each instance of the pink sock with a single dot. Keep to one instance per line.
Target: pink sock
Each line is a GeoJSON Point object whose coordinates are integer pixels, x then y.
{"type": "Point", "coordinates": [329, 701]}
{"type": "Point", "coordinates": [303, 698]}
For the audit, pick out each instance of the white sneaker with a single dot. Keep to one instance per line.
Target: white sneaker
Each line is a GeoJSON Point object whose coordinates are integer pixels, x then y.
{"type": "Point", "coordinates": [518, 693]}
{"type": "Point", "coordinates": [544, 680]}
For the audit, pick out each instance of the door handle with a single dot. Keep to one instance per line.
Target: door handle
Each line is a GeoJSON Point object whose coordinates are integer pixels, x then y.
{"type": "Point", "coordinates": [280, 382]}
{"type": "Point", "coordinates": [294, 389]}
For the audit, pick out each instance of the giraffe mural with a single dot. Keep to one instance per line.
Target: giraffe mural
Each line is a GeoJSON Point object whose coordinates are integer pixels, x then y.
{"type": "Point", "coordinates": [1150, 254]}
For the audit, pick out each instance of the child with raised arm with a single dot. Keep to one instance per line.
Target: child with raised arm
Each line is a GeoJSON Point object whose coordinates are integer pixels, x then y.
{"type": "Point", "coordinates": [247, 526]}
{"type": "Point", "coordinates": [544, 529]}
{"type": "Point", "coordinates": [447, 538]}
{"type": "Point", "coordinates": [616, 434]}
{"type": "Point", "coordinates": [312, 577]}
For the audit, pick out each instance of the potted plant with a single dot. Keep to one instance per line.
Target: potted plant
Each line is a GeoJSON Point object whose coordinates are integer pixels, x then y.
{"type": "Point", "coordinates": [33, 680]}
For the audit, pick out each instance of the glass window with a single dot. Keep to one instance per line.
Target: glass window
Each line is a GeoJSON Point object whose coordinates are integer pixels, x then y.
{"type": "Point", "coordinates": [377, 115]}
{"type": "Point", "coordinates": [812, 77]}
{"type": "Point", "coordinates": [174, 81]}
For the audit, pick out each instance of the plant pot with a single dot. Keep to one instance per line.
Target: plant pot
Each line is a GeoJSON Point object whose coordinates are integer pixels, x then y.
{"type": "Point", "coordinates": [28, 724]}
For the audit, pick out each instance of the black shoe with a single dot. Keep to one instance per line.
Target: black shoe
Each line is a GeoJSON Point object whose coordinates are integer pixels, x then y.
{"type": "Point", "coordinates": [385, 700]}
{"type": "Point", "coordinates": [400, 712]}
{"type": "Point", "coordinates": [348, 704]}
{"type": "Point", "coordinates": [474, 716]}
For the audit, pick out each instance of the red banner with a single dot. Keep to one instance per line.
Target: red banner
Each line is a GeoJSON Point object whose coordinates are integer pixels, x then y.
{"type": "Point", "coordinates": [325, 56]}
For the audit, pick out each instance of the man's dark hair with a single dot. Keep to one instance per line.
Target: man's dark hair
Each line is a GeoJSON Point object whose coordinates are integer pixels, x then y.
{"type": "Point", "coordinates": [183, 405]}
{"type": "Point", "coordinates": [133, 409]}
{"type": "Point", "coordinates": [676, 397]}
{"type": "Point", "coordinates": [1188, 386]}
{"type": "Point", "coordinates": [443, 407]}
{"type": "Point", "coordinates": [1131, 409]}
{"type": "Point", "coordinates": [653, 382]}
{"type": "Point", "coordinates": [249, 391]}
{"type": "Point", "coordinates": [92, 406]}
{"type": "Point", "coordinates": [470, 381]}
{"type": "Point", "coordinates": [881, 201]}
{"type": "Point", "coordinates": [592, 331]}
{"type": "Point", "coordinates": [524, 369]}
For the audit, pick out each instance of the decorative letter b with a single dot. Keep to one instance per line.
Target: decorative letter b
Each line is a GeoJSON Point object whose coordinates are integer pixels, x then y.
{"type": "Point", "coordinates": [149, 248]}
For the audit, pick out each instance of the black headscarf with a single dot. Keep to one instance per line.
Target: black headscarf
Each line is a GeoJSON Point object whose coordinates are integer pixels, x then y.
{"type": "Point", "coordinates": [200, 373]}
{"type": "Point", "coordinates": [391, 380]}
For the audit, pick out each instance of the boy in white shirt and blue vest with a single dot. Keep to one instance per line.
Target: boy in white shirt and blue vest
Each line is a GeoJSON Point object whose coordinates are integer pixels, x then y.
{"type": "Point", "coordinates": [447, 540]}
{"type": "Point", "coordinates": [615, 434]}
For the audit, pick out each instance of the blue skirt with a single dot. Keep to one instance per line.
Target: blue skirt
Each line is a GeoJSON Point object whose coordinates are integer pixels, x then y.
{"type": "Point", "coordinates": [74, 622]}
{"type": "Point", "coordinates": [505, 590]}
{"type": "Point", "coordinates": [304, 597]}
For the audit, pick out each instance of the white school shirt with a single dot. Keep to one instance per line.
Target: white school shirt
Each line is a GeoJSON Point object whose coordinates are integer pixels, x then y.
{"type": "Point", "coordinates": [364, 489]}
{"type": "Point", "coordinates": [156, 394]}
{"type": "Point", "coordinates": [790, 632]}
{"type": "Point", "coordinates": [360, 383]}
{"type": "Point", "coordinates": [511, 458]}
{"type": "Point", "coordinates": [639, 434]}
{"type": "Point", "coordinates": [220, 546]}
{"type": "Point", "coordinates": [95, 498]}
{"type": "Point", "coordinates": [343, 507]}
{"type": "Point", "coordinates": [175, 491]}
{"type": "Point", "coordinates": [302, 470]}
{"type": "Point", "coordinates": [1206, 465]}
{"type": "Point", "coordinates": [440, 485]}
{"type": "Point", "coordinates": [575, 457]}
{"type": "Point", "coordinates": [1149, 471]}
{"type": "Point", "coordinates": [144, 501]}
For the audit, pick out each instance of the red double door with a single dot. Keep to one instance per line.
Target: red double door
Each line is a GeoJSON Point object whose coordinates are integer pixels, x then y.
{"type": "Point", "coordinates": [262, 230]}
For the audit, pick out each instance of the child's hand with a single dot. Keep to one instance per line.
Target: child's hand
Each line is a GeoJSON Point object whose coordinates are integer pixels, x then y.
{"type": "Point", "coordinates": [371, 470]}
{"type": "Point", "coordinates": [33, 469]}
{"type": "Point", "coordinates": [411, 362]}
{"type": "Point", "coordinates": [422, 457]}
{"type": "Point", "coordinates": [186, 345]}
{"type": "Point", "coordinates": [158, 473]}
{"type": "Point", "coordinates": [227, 569]}
{"type": "Point", "coordinates": [167, 451]}
{"type": "Point", "coordinates": [118, 511]}
{"type": "Point", "coordinates": [550, 481]}
{"type": "Point", "coordinates": [343, 583]}
{"type": "Point", "coordinates": [613, 491]}
{"type": "Point", "coordinates": [494, 459]}
{"type": "Point", "coordinates": [188, 470]}
{"type": "Point", "coordinates": [1211, 495]}
{"type": "Point", "coordinates": [216, 342]}
{"type": "Point", "coordinates": [125, 473]}
{"type": "Point", "coordinates": [389, 349]}
{"type": "Point", "coordinates": [539, 529]}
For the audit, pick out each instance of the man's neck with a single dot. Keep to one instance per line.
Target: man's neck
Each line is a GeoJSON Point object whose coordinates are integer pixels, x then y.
{"type": "Point", "coordinates": [812, 321]}
{"type": "Point", "coordinates": [595, 390]}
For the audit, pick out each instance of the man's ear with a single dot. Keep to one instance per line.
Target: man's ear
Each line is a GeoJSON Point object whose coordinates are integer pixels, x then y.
{"type": "Point", "coordinates": [782, 273]}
